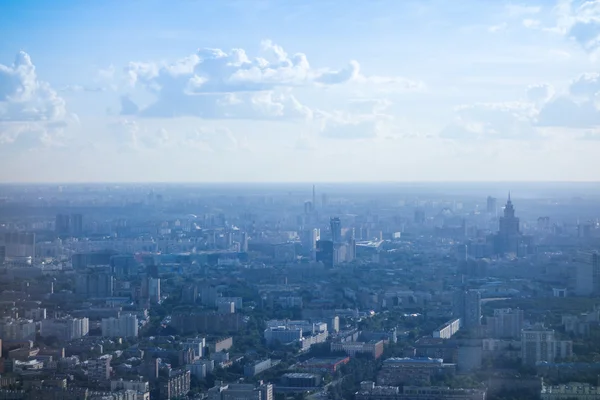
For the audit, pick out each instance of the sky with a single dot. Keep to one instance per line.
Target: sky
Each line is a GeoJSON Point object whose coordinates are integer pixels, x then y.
{"type": "Point", "coordinates": [299, 90]}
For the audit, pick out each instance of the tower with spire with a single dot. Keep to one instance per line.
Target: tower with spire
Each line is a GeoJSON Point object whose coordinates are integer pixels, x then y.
{"type": "Point", "coordinates": [509, 236]}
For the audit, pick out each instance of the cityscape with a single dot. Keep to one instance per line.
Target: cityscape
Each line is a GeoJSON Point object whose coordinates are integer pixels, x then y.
{"type": "Point", "coordinates": [329, 291]}
{"type": "Point", "coordinates": [300, 200]}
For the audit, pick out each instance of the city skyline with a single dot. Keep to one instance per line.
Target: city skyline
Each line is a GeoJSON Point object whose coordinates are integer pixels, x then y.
{"type": "Point", "coordinates": [269, 91]}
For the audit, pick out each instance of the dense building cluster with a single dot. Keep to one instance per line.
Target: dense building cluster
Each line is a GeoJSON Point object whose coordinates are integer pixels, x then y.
{"type": "Point", "coordinates": [230, 292]}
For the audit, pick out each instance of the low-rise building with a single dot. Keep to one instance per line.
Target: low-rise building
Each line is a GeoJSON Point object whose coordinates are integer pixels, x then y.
{"type": "Point", "coordinates": [257, 367]}
{"type": "Point", "coordinates": [570, 391]}
{"type": "Point", "coordinates": [447, 330]}
{"type": "Point", "coordinates": [374, 348]}
{"type": "Point", "coordinates": [417, 371]}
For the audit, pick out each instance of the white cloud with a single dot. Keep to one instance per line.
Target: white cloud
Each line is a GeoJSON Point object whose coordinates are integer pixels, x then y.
{"type": "Point", "coordinates": [31, 111]}
{"type": "Point", "coordinates": [216, 84]}
{"type": "Point", "coordinates": [25, 98]}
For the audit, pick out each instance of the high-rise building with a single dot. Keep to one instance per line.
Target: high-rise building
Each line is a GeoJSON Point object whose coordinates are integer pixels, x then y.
{"type": "Point", "coordinates": [154, 290]}
{"type": "Point", "coordinates": [509, 238]}
{"type": "Point", "coordinates": [336, 229]}
{"type": "Point", "coordinates": [491, 206]}
{"type": "Point", "coordinates": [325, 252]}
{"type": "Point", "coordinates": [309, 239]}
{"type": "Point", "coordinates": [467, 307]}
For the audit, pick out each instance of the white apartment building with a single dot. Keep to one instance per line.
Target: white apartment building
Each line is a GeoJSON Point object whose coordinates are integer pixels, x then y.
{"type": "Point", "coordinates": [17, 329]}
{"type": "Point", "coordinates": [124, 326]}
{"type": "Point", "coordinates": [65, 328]}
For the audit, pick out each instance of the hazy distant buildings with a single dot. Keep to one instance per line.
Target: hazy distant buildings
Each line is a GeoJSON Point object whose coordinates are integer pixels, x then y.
{"type": "Point", "coordinates": [587, 273]}
{"type": "Point", "coordinates": [94, 285]}
{"type": "Point", "coordinates": [19, 245]}
{"type": "Point", "coordinates": [491, 205]}
{"type": "Point", "coordinates": [68, 225]}
{"type": "Point", "coordinates": [419, 217]}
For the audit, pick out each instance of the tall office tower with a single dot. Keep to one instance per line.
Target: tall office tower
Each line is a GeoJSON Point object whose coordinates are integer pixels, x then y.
{"type": "Point", "coordinates": [19, 245]}
{"type": "Point", "coordinates": [309, 239]}
{"type": "Point", "coordinates": [76, 225]}
{"type": "Point", "coordinates": [467, 307]}
{"type": "Point", "coordinates": [336, 229]}
{"type": "Point", "coordinates": [244, 242]}
{"type": "Point", "coordinates": [491, 205]}
{"type": "Point", "coordinates": [154, 290]}
{"type": "Point", "coordinates": [314, 198]}
{"type": "Point", "coordinates": [325, 252]}
{"type": "Point", "coordinates": [324, 200]}
{"type": "Point", "coordinates": [62, 224]}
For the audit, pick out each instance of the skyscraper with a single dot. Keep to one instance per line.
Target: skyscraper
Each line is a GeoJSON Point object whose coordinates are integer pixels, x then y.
{"type": "Point", "coordinates": [509, 237]}
{"type": "Point", "coordinates": [336, 229]}
{"type": "Point", "coordinates": [467, 307]}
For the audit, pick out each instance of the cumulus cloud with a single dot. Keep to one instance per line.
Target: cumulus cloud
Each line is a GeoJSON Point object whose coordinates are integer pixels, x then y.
{"type": "Point", "coordinates": [213, 83]}
{"type": "Point", "coordinates": [31, 111]}
{"type": "Point", "coordinates": [25, 98]}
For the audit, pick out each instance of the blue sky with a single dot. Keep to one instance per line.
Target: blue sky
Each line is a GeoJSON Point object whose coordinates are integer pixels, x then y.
{"type": "Point", "coordinates": [259, 90]}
